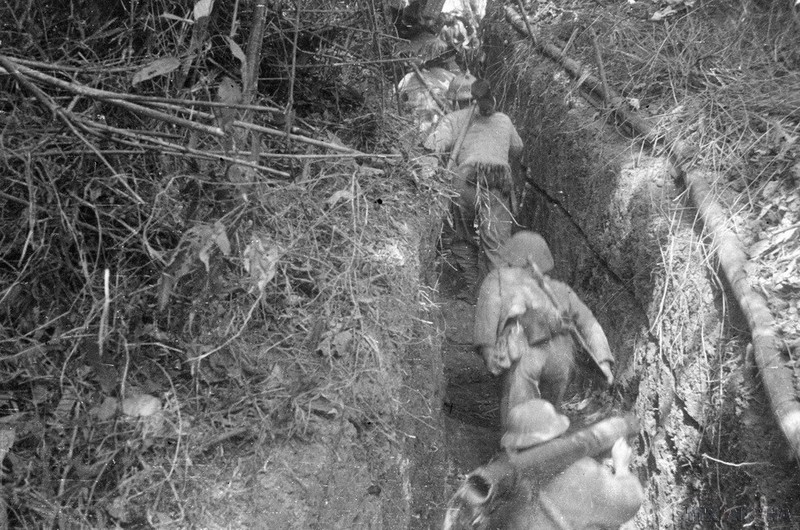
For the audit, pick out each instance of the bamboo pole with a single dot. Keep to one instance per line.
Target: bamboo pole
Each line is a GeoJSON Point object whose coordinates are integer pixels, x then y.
{"type": "Point", "coordinates": [777, 378]}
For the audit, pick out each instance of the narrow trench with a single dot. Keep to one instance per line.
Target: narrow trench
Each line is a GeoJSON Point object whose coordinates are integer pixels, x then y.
{"type": "Point", "coordinates": [471, 402]}
{"type": "Point", "coordinates": [472, 394]}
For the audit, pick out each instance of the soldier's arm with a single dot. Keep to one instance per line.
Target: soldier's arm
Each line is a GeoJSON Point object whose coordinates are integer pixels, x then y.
{"type": "Point", "coordinates": [516, 147]}
{"type": "Point", "coordinates": [487, 320]}
{"type": "Point", "coordinates": [618, 498]}
{"type": "Point", "coordinates": [622, 492]}
{"type": "Point", "coordinates": [591, 331]}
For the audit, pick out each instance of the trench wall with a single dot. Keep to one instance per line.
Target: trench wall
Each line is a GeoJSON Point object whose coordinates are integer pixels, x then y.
{"type": "Point", "coordinates": [622, 239]}
{"type": "Point", "coordinates": [415, 466]}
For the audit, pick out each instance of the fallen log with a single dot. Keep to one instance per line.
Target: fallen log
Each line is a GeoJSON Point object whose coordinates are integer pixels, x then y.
{"type": "Point", "coordinates": [778, 379]}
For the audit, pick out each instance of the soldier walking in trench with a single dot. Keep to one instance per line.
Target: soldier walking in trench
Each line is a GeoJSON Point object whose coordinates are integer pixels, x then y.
{"type": "Point", "coordinates": [484, 146]}
{"type": "Point", "coordinates": [528, 326]}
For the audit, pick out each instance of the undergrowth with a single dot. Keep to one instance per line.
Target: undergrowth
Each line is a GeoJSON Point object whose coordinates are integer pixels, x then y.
{"type": "Point", "coordinates": [167, 288]}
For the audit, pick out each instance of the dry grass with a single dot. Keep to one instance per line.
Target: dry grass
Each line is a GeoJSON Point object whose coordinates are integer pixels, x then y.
{"type": "Point", "coordinates": [135, 262]}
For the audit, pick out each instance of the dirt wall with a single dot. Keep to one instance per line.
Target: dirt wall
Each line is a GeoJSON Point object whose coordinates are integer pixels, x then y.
{"type": "Point", "coordinates": [625, 240]}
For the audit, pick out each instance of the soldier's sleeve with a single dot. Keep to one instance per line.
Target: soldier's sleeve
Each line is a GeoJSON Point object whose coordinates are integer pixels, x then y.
{"type": "Point", "coordinates": [487, 312]}
{"type": "Point", "coordinates": [589, 495]}
{"type": "Point", "coordinates": [587, 325]}
{"type": "Point", "coordinates": [443, 136]}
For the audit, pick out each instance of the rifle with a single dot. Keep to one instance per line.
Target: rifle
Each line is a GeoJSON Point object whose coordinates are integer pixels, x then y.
{"type": "Point", "coordinates": [486, 494]}
{"type": "Point", "coordinates": [566, 321]}
{"type": "Point", "coordinates": [451, 162]}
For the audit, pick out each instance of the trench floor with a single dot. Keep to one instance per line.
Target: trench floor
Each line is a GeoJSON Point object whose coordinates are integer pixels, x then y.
{"type": "Point", "coordinates": [471, 402]}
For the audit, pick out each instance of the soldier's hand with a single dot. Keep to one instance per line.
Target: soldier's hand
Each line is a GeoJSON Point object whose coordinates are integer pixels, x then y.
{"type": "Point", "coordinates": [496, 359]}
{"type": "Point", "coordinates": [605, 367]}
{"type": "Point", "coordinates": [621, 455]}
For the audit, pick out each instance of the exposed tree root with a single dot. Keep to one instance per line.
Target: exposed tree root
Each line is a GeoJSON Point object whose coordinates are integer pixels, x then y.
{"type": "Point", "coordinates": [777, 378]}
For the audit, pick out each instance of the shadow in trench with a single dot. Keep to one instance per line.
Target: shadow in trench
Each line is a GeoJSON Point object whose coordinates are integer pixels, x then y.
{"type": "Point", "coordinates": [471, 402]}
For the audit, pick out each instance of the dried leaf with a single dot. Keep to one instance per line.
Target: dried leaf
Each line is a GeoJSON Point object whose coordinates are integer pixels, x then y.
{"type": "Point", "coordinates": [229, 93]}
{"type": "Point", "coordinates": [261, 260]}
{"type": "Point", "coordinates": [661, 14]}
{"type": "Point", "coordinates": [236, 50]}
{"type": "Point", "coordinates": [202, 8]}
{"type": "Point", "coordinates": [176, 18]}
{"type": "Point", "coordinates": [141, 405]}
{"type": "Point", "coordinates": [118, 509]}
{"type": "Point", "coordinates": [64, 407]}
{"type": "Point", "coordinates": [207, 238]}
{"type": "Point", "coordinates": [39, 394]}
{"type": "Point", "coordinates": [221, 238]}
{"type": "Point", "coordinates": [158, 67]}
{"type": "Point", "coordinates": [322, 406]}
{"type": "Point", "coordinates": [106, 410]}
{"type": "Point", "coordinates": [7, 436]}
{"type": "Point", "coordinates": [336, 197]}
{"type": "Point", "coordinates": [166, 285]}
{"type": "Point", "coordinates": [342, 342]}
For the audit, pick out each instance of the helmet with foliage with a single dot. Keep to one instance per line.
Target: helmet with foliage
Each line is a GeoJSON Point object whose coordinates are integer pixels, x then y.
{"type": "Point", "coordinates": [460, 88]}
{"type": "Point", "coordinates": [532, 423]}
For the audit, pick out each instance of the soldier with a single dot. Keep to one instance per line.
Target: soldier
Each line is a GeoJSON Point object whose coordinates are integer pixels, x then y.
{"type": "Point", "coordinates": [586, 495]}
{"type": "Point", "coordinates": [483, 146]}
{"type": "Point", "coordinates": [527, 325]}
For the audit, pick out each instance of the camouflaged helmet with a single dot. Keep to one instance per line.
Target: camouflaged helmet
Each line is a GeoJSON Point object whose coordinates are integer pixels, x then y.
{"type": "Point", "coordinates": [524, 246]}
{"type": "Point", "coordinates": [532, 423]}
{"type": "Point", "coordinates": [460, 88]}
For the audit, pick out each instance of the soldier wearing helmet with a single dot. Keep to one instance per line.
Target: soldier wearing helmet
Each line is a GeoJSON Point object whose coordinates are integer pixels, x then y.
{"type": "Point", "coordinates": [586, 495]}
{"type": "Point", "coordinates": [484, 146]}
{"type": "Point", "coordinates": [528, 326]}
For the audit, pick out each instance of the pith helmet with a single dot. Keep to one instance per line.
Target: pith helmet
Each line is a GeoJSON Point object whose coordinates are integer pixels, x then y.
{"type": "Point", "coordinates": [524, 246]}
{"type": "Point", "coordinates": [532, 423]}
{"type": "Point", "coordinates": [460, 87]}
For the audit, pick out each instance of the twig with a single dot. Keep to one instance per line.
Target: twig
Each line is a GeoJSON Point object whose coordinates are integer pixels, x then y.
{"type": "Point", "coordinates": [524, 16]}
{"type": "Point", "coordinates": [180, 148]}
{"type": "Point", "coordinates": [733, 464]}
{"type": "Point", "coordinates": [101, 336]}
{"type": "Point", "coordinates": [253, 52]}
{"type": "Point", "coordinates": [600, 66]}
{"type": "Point", "coordinates": [114, 98]}
{"type": "Point", "coordinates": [293, 70]}
{"type": "Point", "coordinates": [569, 43]}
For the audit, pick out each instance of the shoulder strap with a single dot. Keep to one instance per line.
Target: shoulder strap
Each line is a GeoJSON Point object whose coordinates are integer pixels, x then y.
{"type": "Point", "coordinates": [566, 320]}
